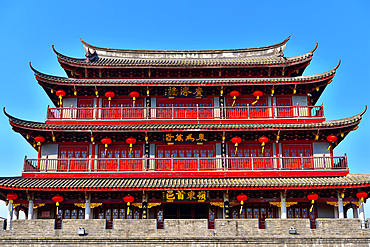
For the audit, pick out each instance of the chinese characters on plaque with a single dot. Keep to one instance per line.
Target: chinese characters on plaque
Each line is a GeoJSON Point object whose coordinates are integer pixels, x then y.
{"type": "Point", "coordinates": [176, 137]}
{"type": "Point", "coordinates": [184, 195]}
{"type": "Point", "coordinates": [172, 92]}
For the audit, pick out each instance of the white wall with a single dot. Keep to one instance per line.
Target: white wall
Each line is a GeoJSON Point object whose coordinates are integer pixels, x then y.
{"type": "Point", "coordinates": [69, 102]}
{"type": "Point", "coordinates": [301, 100]}
{"type": "Point", "coordinates": [320, 148]}
{"type": "Point", "coordinates": [50, 150]}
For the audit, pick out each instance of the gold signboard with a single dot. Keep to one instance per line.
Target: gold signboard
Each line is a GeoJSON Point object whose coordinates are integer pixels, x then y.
{"type": "Point", "coordinates": [181, 195]}
{"type": "Point", "coordinates": [181, 137]}
{"type": "Point", "coordinates": [172, 92]}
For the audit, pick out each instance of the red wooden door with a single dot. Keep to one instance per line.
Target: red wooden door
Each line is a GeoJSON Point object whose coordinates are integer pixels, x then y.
{"type": "Point", "coordinates": [212, 215]}
{"type": "Point", "coordinates": [185, 157]}
{"type": "Point", "coordinates": [118, 153]}
{"type": "Point", "coordinates": [85, 113]}
{"type": "Point", "coordinates": [250, 150]}
{"type": "Point", "coordinates": [301, 156]}
{"type": "Point", "coordinates": [284, 108]}
{"type": "Point", "coordinates": [240, 110]}
{"type": "Point", "coordinates": [122, 108]}
{"type": "Point", "coordinates": [71, 153]}
{"type": "Point", "coordinates": [185, 108]}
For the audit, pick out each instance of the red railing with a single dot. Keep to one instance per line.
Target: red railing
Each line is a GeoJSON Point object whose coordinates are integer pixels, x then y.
{"type": "Point", "coordinates": [158, 113]}
{"type": "Point", "coordinates": [185, 164]}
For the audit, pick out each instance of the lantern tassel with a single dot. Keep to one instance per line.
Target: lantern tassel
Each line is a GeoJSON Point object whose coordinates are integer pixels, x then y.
{"type": "Point", "coordinates": [60, 98]}
{"type": "Point", "coordinates": [106, 148]}
{"type": "Point", "coordinates": [263, 147]}
{"type": "Point", "coordinates": [11, 205]}
{"type": "Point", "coordinates": [130, 148]}
{"type": "Point", "coordinates": [57, 203]}
{"type": "Point", "coordinates": [236, 148]}
{"type": "Point", "coordinates": [312, 202]}
{"type": "Point", "coordinates": [128, 208]}
{"type": "Point", "coordinates": [234, 98]}
{"type": "Point", "coordinates": [133, 103]}
{"type": "Point", "coordinates": [109, 98]}
{"type": "Point", "coordinates": [362, 202]}
{"type": "Point", "coordinates": [257, 98]}
{"type": "Point", "coordinates": [241, 207]}
{"type": "Point", "coordinates": [329, 147]}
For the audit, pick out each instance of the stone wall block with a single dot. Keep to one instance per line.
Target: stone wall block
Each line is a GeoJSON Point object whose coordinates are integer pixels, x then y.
{"type": "Point", "coordinates": [280, 227]}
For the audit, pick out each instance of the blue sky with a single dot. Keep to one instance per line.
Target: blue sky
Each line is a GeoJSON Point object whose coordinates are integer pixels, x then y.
{"type": "Point", "coordinates": [29, 28]}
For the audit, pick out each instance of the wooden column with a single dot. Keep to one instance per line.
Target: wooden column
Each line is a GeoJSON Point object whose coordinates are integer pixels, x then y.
{"type": "Point", "coordinates": [340, 206]}
{"type": "Point", "coordinates": [226, 205]}
{"type": "Point", "coordinates": [283, 214]}
{"type": "Point", "coordinates": [30, 208]}
{"type": "Point", "coordinates": [87, 206]}
{"type": "Point", "coordinates": [144, 208]}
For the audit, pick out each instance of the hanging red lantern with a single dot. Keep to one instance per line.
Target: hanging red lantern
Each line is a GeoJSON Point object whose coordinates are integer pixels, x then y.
{"type": "Point", "coordinates": [263, 140]}
{"type": "Point", "coordinates": [234, 94]}
{"type": "Point", "coordinates": [331, 139]}
{"type": "Point", "coordinates": [257, 94]}
{"type": "Point", "coordinates": [39, 140]}
{"type": "Point", "coordinates": [361, 195]}
{"type": "Point", "coordinates": [11, 196]}
{"type": "Point", "coordinates": [57, 199]}
{"type": "Point", "coordinates": [128, 199]}
{"type": "Point", "coordinates": [312, 197]}
{"type": "Point", "coordinates": [130, 141]}
{"type": "Point", "coordinates": [109, 95]}
{"type": "Point", "coordinates": [236, 140]}
{"type": "Point", "coordinates": [134, 95]}
{"type": "Point", "coordinates": [241, 198]}
{"type": "Point", "coordinates": [60, 94]}
{"type": "Point", "coordinates": [106, 141]}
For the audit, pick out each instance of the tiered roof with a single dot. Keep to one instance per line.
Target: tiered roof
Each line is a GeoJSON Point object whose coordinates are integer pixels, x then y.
{"type": "Point", "coordinates": [122, 184]}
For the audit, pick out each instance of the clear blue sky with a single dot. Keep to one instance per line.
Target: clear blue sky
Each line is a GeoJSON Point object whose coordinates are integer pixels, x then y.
{"type": "Point", "coordinates": [29, 28]}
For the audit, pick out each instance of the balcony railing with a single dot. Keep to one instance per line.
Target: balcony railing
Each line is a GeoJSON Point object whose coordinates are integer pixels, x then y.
{"type": "Point", "coordinates": [185, 164]}
{"type": "Point", "coordinates": [158, 113]}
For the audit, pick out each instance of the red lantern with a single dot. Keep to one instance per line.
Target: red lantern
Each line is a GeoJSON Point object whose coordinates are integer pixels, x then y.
{"type": "Point", "coordinates": [134, 95]}
{"type": "Point", "coordinates": [312, 197]}
{"type": "Point", "coordinates": [241, 198]}
{"type": "Point", "coordinates": [106, 141]}
{"type": "Point", "coordinates": [109, 95]}
{"type": "Point", "coordinates": [331, 139]}
{"type": "Point", "coordinates": [39, 140]}
{"type": "Point", "coordinates": [128, 199]}
{"type": "Point", "coordinates": [60, 94]}
{"type": "Point", "coordinates": [234, 94]}
{"type": "Point", "coordinates": [57, 199]}
{"type": "Point", "coordinates": [236, 140]}
{"type": "Point", "coordinates": [263, 140]}
{"type": "Point", "coordinates": [11, 197]}
{"type": "Point", "coordinates": [130, 141]}
{"type": "Point", "coordinates": [360, 195]}
{"type": "Point", "coordinates": [257, 94]}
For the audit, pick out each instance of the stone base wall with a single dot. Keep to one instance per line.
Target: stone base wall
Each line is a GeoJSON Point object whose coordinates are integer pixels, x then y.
{"type": "Point", "coordinates": [227, 232]}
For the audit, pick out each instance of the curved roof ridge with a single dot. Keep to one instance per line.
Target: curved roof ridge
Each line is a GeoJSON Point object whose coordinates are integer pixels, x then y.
{"type": "Point", "coordinates": [12, 118]}
{"type": "Point", "coordinates": [64, 56]}
{"type": "Point", "coordinates": [354, 120]}
{"type": "Point", "coordinates": [278, 45]}
{"type": "Point", "coordinates": [359, 115]}
{"type": "Point", "coordinates": [267, 79]}
{"type": "Point", "coordinates": [306, 54]}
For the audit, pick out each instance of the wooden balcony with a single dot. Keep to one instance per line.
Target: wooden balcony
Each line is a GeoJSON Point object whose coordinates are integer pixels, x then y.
{"type": "Point", "coordinates": [190, 167]}
{"type": "Point", "coordinates": [164, 114]}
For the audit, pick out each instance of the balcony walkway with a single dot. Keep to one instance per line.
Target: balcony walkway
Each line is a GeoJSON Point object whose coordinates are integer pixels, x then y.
{"type": "Point", "coordinates": [187, 167]}
{"type": "Point", "coordinates": [186, 113]}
